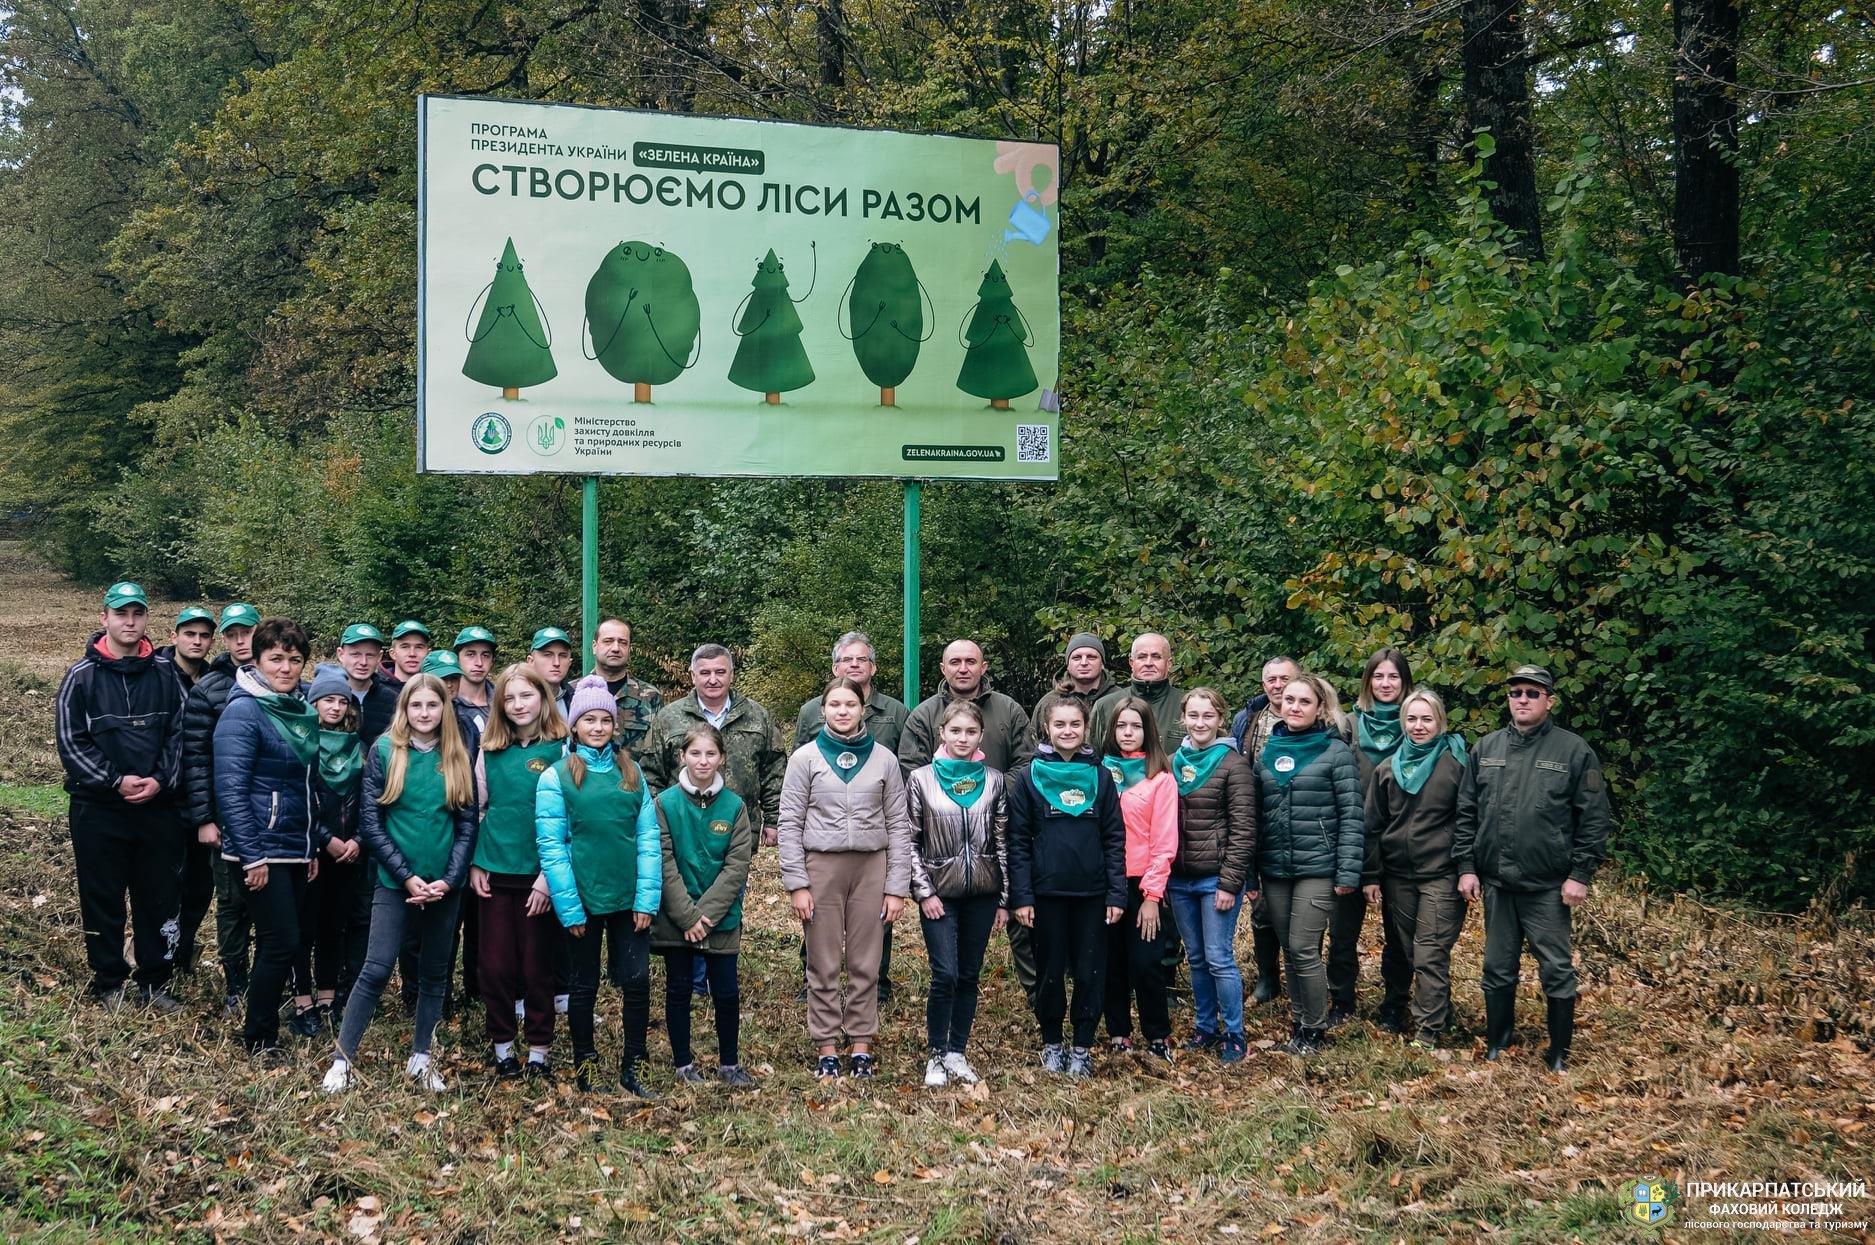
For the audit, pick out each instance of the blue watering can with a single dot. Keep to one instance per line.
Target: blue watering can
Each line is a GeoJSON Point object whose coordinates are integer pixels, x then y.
{"type": "Point", "coordinates": [1027, 221]}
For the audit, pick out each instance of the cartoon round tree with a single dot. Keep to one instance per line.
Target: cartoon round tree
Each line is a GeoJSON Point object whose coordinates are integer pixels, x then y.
{"type": "Point", "coordinates": [885, 306]}
{"type": "Point", "coordinates": [996, 356]}
{"type": "Point", "coordinates": [643, 316]}
{"type": "Point", "coordinates": [511, 346]}
{"type": "Point", "coordinates": [769, 358]}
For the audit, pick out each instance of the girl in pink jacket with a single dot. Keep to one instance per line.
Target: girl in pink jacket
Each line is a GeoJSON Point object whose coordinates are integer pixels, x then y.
{"type": "Point", "coordinates": [1136, 758]}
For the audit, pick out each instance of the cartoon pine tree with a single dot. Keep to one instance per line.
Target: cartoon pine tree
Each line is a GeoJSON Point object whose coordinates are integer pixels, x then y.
{"type": "Point", "coordinates": [510, 348]}
{"type": "Point", "coordinates": [996, 356]}
{"type": "Point", "coordinates": [770, 359]}
{"type": "Point", "coordinates": [886, 311]}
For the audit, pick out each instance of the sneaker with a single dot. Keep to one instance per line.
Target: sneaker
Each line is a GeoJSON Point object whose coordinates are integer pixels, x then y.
{"type": "Point", "coordinates": [733, 1076]}
{"type": "Point", "coordinates": [305, 1023]}
{"type": "Point", "coordinates": [936, 1075]}
{"type": "Point", "coordinates": [538, 1070]}
{"type": "Point", "coordinates": [582, 1074]}
{"type": "Point", "coordinates": [1054, 1058]}
{"type": "Point", "coordinates": [1080, 1063]}
{"type": "Point", "coordinates": [1425, 1041]}
{"type": "Point", "coordinates": [1338, 1016]}
{"type": "Point", "coordinates": [862, 1065]}
{"type": "Point", "coordinates": [421, 1070]}
{"type": "Point", "coordinates": [232, 1006]}
{"type": "Point", "coordinates": [688, 1075]}
{"type": "Point", "coordinates": [800, 996]}
{"type": "Point", "coordinates": [1305, 1042]}
{"type": "Point", "coordinates": [338, 1077]}
{"type": "Point", "coordinates": [959, 1068]}
{"type": "Point", "coordinates": [1233, 1049]}
{"type": "Point", "coordinates": [1158, 1049]}
{"type": "Point", "coordinates": [1202, 1041]}
{"type": "Point", "coordinates": [1121, 1046]}
{"type": "Point", "coordinates": [1391, 1019]}
{"type": "Point", "coordinates": [113, 1000]}
{"type": "Point", "coordinates": [508, 1068]}
{"type": "Point", "coordinates": [629, 1083]}
{"type": "Point", "coordinates": [827, 1068]}
{"type": "Point", "coordinates": [161, 1001]}
{"type": "Point", "coordinates": [264, 1049]}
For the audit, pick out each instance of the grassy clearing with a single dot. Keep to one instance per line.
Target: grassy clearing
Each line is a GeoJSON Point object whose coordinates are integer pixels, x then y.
{"type": "Point", "coordinates": [1691, 1060]}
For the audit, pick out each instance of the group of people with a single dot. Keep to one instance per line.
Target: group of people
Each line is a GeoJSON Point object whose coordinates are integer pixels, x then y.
{"type": "Point", "coordinates": [407, 806]}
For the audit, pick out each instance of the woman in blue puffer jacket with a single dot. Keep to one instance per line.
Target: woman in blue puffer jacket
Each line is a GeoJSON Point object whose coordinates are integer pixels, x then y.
{"type": "Point", "coordinates": [266, 752]}
{"type": "Point", "coordinates": [1313, 843]}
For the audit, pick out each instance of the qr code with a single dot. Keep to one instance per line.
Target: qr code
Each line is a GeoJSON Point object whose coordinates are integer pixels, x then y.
{"type": "Point", "coordinates": [1032, 443]}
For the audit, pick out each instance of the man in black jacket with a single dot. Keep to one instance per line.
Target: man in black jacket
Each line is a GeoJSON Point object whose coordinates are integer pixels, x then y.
{"type": "Point", "coordinates": [361, 655]}
{"type": "Point", "coordinates": [119, 719]}
{"type": "Point", "coordinates": [207, 698]}
{"type": "Point", "coordinates": [187, 652]}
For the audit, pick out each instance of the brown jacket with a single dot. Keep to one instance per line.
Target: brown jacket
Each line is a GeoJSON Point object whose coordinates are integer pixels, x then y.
{"type": "Point", "coordinates": [1217, 827]}
{"type": "Point", "coordinates": [1410, 836]}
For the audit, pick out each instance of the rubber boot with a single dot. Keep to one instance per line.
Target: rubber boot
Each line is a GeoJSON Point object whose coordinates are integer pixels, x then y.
{"type": "Point", "coordinates": [1269, 953]}
{"type": "Point", "coordinates": [1500, 1021]}
{"type": "Point", "coordinates": [1562, 1028]}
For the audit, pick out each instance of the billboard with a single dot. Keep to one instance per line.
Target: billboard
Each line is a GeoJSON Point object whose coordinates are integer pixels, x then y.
{"type": "Point", "coordinates": [631, 293]}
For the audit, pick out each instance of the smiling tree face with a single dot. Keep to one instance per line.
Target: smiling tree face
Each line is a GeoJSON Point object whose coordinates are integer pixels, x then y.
{"type": "Point", "coordinates": [510, 347]}
{"type": "Point", "coordinates": [642, 313]}
{"type": "Point", "coordinates": [996, 361]}
{"type": "Point", "coordinates": [770, 359]}
{"type": "Point", "coordinates": [886, 314]}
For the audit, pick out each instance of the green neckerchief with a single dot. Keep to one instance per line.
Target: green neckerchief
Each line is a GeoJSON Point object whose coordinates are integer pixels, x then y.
{"type": "Point", "coordinates": [295, 721]}
{"type": "Point", "coordinates": [1068, 786]}
{"type": "Point", "coordinates": [341, 760]}
{"type": "Point", "coordinates": [846, 756]}
{"type": "Point", "coordinates": [1378, 732]}
{"type": "Point", "coordinates": [1193, 767]}
{"type": "Point", "coordinates": [1286, 755]}
{"type": "Point", "coordinates": [1126, 770]}
{"type": "Point", "coordinates": [1413, 763]}
{"type": "Point", "coordinates": [962, 780]}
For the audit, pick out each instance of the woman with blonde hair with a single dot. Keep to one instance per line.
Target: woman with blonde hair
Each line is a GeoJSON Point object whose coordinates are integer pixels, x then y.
{"type": "Point", "coordinates": [417, 818]}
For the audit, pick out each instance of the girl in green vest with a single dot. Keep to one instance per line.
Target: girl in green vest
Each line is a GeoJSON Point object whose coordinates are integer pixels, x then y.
{"type": "Point", "coordinates": [525, 735]}
{"type": "Point", "coordinates": [597, 833]}
{"type": "Point", "coordinates": [707, 845]}
{"type": "Point", "coordinates": [417, 818]}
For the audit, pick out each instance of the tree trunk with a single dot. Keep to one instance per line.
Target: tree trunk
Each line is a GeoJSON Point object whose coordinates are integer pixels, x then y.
{"type": "Point", "coordinates": [1497, 98]}
{"type": "Point", "coordinates": [1705, 137]}
{"type": "Point", "coordinates": [829, 39]}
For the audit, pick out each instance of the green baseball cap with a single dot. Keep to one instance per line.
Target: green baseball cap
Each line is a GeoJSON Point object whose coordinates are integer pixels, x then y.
{"type": "Point", "coordinates": [442, 663]}
{"type": "Point", "coordinates": [474, 635]}
{"type": "Point", "coordinates": [359, 633]}
{"type": "Point", "coordinates": [239, 614]}
{"type": "Point", "coordinates": [549, 635]}
{"type": "Point", "coordinates": [408, 627]}
{"type": "Point", "coordinates": [1533, 674]}
{"type": "Point", "coordinates": [194, 613]}
{"type": "Point", "coordinates": [123, 593]}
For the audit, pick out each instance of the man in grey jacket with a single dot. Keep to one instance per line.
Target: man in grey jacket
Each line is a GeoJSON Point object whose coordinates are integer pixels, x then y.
{"type": "Point", "coordinates": [1532, 830]}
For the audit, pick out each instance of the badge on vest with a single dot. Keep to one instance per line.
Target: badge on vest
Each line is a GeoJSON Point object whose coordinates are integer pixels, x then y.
{"type": "Point", "coordinates": [1073, 797]}
{"type": "Point", "coordinates": [1114, 770]}
{"type": "Point", "coordinates": [963, 786]}
{"type": "Point", "coordinates": [1190, 772]}
{"type": "Point", "coordinates": [719, 827]}
{"type": "Point", "coordinates": [846, 760]}
{"type": "Point", "coordinates": [1282, 765]}
{"type": "Point", "coordinates": [538, 765]}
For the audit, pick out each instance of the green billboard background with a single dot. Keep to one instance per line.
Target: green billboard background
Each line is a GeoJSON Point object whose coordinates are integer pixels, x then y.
{"type": "Point", "coordinates": [768, 287]}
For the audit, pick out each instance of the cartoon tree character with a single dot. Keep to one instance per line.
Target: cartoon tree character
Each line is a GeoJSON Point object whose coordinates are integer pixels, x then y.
{"type": "Point", "coordinates": [643, 316]}
{"type": "Point", "coordinates": [886, 310]}
{"type": "Point", "coordinates": [770, 359]}
{"type": "Point", "coordinates": [511, 347]}
{"type": "Point", "coordinates": [996, 356]}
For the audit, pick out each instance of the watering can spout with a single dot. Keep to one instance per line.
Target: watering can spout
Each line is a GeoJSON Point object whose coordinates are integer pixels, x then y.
{"type": "Point", "coordinates": [1027, 221]}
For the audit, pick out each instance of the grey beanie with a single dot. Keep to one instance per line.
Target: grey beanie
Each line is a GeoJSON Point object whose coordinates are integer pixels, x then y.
{"type": "Point", "coordinates": [328, 680]}
{"type": "Point", "coordinates": [1085, 639]}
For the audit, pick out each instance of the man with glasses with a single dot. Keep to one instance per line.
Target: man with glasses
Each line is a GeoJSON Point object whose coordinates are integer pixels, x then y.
{"type": "Point", "coordinates": [1532, 830]}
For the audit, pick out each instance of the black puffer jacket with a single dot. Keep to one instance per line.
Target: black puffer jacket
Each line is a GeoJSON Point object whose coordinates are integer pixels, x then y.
{"type": "Point", "coordinates": [1313, 828]}
{"type": "Point", "coordinates": [1217, 827]}
{"type": "Point", "coordinates": [119, 716]}
{"type": "Point", "coordinates": [203, 709]}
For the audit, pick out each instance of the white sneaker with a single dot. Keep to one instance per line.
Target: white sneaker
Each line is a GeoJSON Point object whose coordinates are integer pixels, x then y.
{"type": "Point", "coordinates": [338, 1077]}
{"type": "Point", "coordinates": [959, 1068]}
{"type": "Point", "coordinates": [935, 1077]}
{"type": "Point", "coordinates": [424, 1073]}
{"type": "Point", "coordinates": [559, 1004]}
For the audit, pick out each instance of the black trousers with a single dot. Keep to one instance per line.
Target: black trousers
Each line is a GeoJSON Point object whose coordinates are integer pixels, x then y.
{"type": "Point", "coordinates": [1344, 947]}
{"type": "Point", "coordinates": [127, 849]}
{"type": "Point", "coordinates": [196, 876]}
{"type": "Point", "coordinates": [1136, 969]}
{"type": "Point", "coordinates": [1070, 939]}
{"type": "Point", "coordinates": [275, 910]}
{"type": "Point", "coordinates": [335, 923]}
{"type": "Point", "coordinates": [629, 969]}
{"type": "Point", "coordinates": [725, 1000]}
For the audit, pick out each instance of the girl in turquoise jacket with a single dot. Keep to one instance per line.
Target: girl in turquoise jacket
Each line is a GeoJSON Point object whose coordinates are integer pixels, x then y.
{"type": "Point", "coordinates": [596, 828]}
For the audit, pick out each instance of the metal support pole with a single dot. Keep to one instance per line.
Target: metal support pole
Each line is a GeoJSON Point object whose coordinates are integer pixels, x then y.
{"type": "Point", "coordinates": [589, 569]}
{"type": "Point", "coordinates": [911, 591]}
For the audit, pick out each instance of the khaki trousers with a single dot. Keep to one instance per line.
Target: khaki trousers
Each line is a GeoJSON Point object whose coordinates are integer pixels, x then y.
{"type": "Point", "coordinates": [849, 895]}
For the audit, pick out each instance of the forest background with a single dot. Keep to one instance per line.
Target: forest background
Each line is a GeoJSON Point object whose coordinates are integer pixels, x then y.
{"type": "Point", "coordinates": [1495, 329]}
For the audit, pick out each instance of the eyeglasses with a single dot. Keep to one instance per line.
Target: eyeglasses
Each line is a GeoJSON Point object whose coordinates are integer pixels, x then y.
{"type": "Point", "coordinates": [1526, 693]}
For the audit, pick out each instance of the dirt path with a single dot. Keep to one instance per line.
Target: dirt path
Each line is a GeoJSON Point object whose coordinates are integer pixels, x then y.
{"type": "Point", "coordinates": [44, 617]}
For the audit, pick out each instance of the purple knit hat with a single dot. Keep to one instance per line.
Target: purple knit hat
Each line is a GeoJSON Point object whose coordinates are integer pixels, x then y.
{"type": "Point", "coordinates": [588, 694]}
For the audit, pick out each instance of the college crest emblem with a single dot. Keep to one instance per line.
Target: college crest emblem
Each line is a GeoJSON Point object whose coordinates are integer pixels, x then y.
{"type": "Point", "coordinates": [1649, 1201]}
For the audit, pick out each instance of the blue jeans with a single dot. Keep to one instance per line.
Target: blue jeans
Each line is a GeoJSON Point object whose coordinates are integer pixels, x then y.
{"type": "Point", "coordinates": [1210, 940]}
